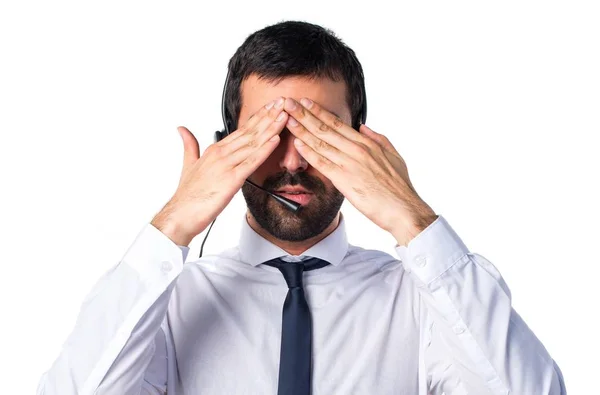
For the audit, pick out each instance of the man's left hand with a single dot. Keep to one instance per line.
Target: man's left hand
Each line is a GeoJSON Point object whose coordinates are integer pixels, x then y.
{"type": "Point", "coordinates": [364, 166]}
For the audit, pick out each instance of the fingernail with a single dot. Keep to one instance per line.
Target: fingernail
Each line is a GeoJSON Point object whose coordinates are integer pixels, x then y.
{"type": "Point", "coordinates": [281, 116]}
{"type": "Point", "coordinates": [292, 122]}
{"type": "Point", "coordinates": [306, 102]}
{"type": "Point", "coordinates": [298, 142]}
{"type": "Point", "coordinates": [290, 104]}
{"type": "Point", "coordinates": [279, 102]}
{"type": "Point", "coordinates": [268, 106]}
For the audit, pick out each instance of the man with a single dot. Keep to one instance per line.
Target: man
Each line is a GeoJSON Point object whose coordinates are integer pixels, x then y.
{"type": "Point", "coordinates": [295, 309]}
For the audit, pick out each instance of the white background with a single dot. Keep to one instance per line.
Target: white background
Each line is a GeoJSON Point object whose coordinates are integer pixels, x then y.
{"type": "Point", "coordinates": [494, 106]}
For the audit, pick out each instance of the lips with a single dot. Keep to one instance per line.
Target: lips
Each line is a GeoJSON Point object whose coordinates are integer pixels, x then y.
{"type": "Point", "coordinates": [293, 190]}
{"type": "Point", "coordinates": [302, 198]}
{"type": "Point", "coordinates": [296, 194]}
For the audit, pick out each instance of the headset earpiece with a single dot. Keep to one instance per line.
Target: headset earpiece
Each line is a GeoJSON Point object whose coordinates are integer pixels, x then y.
{"type": "Point", "coordinates": [220, 135]}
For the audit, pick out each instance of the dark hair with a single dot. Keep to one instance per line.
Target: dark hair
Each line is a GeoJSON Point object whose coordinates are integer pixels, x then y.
{"type": "Point", "coordinates": [294, 48]}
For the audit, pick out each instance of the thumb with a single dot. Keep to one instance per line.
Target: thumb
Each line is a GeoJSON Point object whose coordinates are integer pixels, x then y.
{"type": "Point", "coordinates": [191, 149]}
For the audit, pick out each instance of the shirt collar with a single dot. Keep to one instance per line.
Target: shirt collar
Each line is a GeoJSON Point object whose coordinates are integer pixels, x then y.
{"type": "Point", "coordinates": [255, 249]}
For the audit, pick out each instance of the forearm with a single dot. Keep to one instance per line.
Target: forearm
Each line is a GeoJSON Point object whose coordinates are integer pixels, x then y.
{"type": "Point", "coordinates": [122, 313]}
{"type": "Point", "coordinates": [476, 334]}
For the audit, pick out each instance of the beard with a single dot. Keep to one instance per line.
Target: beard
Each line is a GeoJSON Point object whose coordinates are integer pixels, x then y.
{"type": "Point", "coordinates": [309, 221]}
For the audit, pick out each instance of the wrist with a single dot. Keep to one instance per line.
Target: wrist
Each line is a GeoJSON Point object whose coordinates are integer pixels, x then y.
{"type": "Point", "coordinates": [166, 222]}
{"type": "Point", "coordinates": [413, 227]}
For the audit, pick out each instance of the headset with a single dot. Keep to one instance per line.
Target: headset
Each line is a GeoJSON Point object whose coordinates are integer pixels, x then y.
{"type": "Point", "coordinates": [228, 123]}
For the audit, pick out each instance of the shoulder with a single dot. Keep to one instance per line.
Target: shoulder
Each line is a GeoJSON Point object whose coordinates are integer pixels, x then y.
{"type": "Point", "coordinates": [225, 264]}
{"type": "Point", "coordinates": [381, 260]}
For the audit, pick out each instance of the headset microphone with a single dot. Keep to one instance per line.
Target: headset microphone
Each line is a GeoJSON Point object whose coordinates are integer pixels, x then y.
{"type": "Point", "coordinates": [287, 203]}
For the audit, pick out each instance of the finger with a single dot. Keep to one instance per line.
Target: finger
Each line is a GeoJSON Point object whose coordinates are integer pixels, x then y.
{"type": "Point", "coordinates": [247, 144]}
{"type": "Point", "coordinates": [380, 139]}
{"type": "Point", "coordinates": [336, 148]}
{"type": "Point", "coordinates": [191, 149]}
{"type": "Point", "coordinates": [321, 122]}
{"type": "Point", "coordinates": [254, 119]}
{"type": "Point", "coordinates": [272, 123]}
{"type": "Point", "coordinates": [253, 161]}
{"type": "Point", "coordinates": [314, 131]}
{"type": "Point", "coordinates": [325, 166]}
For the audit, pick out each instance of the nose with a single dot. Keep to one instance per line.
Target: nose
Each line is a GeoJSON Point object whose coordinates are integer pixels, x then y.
{"type": "Point", "coordinates": [291, 160]}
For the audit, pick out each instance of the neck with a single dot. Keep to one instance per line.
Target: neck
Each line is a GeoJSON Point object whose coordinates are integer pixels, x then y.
{"type": "Point", "coordinates": [293, 247]}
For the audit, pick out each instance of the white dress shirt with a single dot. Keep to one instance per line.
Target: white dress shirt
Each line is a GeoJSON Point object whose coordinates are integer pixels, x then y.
{"type": "Point", "coordinates": [435, 320]}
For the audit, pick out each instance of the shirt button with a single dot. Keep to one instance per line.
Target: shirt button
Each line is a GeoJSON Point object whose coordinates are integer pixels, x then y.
{"type": "Point", "coordinates": [166, 266]}
{"type": "Point", "coordinates": [458, 329]}
{"type": "Point", "coordinates": [420, 260]}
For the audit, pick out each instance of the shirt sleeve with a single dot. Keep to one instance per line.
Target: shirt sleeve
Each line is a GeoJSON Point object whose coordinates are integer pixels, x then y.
{"type": "Point", "coordinates": [116, 346]}
{"type": "Point", "coordinates": [475, 342]}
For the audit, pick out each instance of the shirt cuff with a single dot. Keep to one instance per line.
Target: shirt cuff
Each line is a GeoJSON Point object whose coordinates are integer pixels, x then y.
{"type": "Point", "coordinates": [155, 257]}
{"type": "Point", "coordinates": [433, 251]}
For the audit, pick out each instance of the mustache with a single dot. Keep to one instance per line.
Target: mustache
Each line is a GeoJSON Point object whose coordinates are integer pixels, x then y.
{"type": "Point", "coordinates": [279, 180]}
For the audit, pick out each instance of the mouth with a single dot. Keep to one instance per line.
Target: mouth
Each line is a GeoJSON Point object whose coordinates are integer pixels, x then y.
{"type": "Point", "coordinates": [298, 195]}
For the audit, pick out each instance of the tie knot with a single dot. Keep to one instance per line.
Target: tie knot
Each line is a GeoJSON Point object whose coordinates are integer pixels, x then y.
{"type": "Point", "coordinates": [292, 271]}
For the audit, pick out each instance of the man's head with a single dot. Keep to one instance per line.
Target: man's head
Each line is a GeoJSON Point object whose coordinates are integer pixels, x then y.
{"type": "Point", "coordinates": [293, 59]}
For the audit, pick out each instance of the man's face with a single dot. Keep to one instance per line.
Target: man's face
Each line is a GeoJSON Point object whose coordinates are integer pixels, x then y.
{"type": "Point", "coordinates": [285, 168]}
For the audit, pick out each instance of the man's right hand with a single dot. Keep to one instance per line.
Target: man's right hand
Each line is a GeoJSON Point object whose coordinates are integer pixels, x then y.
{"type": "Point", "coordinates": [208, 183]}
